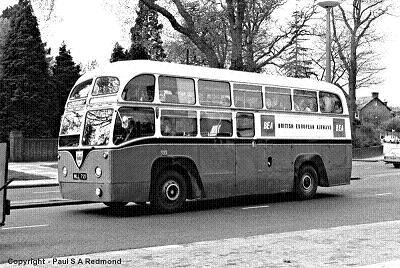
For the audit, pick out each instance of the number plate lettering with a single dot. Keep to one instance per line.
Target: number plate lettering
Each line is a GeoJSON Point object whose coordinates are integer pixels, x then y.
{"type": "Point", "coordinates": [79, 176]}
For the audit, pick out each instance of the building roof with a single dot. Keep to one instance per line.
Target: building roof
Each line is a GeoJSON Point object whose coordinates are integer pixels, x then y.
{"type": "Point", "coordinates": [361, 102]}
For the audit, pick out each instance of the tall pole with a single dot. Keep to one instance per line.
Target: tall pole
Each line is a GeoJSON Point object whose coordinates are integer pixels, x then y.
{"type": "Point", "coordinates": [328, 45]}
{"type": "Point", "coordinates": [328, 5]}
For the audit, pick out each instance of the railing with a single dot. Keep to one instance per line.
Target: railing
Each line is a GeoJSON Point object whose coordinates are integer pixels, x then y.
{"type": "Point", "coordinates": [28, 149]}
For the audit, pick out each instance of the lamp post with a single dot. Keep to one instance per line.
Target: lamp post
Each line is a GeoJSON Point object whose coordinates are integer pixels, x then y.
{"type": "Point", "coordinates": [328, 5]}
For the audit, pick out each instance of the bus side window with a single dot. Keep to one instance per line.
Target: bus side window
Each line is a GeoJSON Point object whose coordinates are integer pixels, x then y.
{"type": "Point", "coordinates": [247, 96]}
{"type": "Point", "coordinates": [178, 123]}
{"type": "Point", "coordinates": [278, 99]}
{"type": "Point", "coordinates": [140, 88]}
{"type": "Point", "coordinates": [176, 90]}
{"type": "Point", "coordinates": [245, 124]}
{"type": "Point", "coordinates": [330, 103]}
{"type": "Point", "coordinates": [214, 124]}
{"type": "Point", "coordinates": [133, 122]}
{"type": "Point", "coordinates": [305, 101]}
{"type": "Point", "coordinates": [214, 93]}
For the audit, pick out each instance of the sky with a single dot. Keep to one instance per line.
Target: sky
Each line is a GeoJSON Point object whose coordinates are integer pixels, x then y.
{"type": "Point", "coordinates": [90, 29]}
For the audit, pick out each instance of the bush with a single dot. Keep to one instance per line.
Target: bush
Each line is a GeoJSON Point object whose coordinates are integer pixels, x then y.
{"type": "Point", "coordinates": [391, 124]}
{"type": "Point", "coordinates": [366, 136]}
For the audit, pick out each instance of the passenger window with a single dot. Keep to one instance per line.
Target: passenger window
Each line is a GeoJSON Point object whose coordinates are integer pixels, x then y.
{"type": "Point", "coordinates": [305, 101]}
{"type": "Point", "coordinates": [215, 124]}
{"type": "Point", "coordinates": [105, 85]}
{"type": "Point", "coordinates": [178, 123]}
{"type": "Point", "coordinates": [278, 99]}
{"type": "Point", "coordinates": [245, 124]}
{"type": "Point", "coordinates": [212, 93]}
{"type": "Point", "coordinates": [330, 103]}
{"type": "Point", "coordinates": [176, 90]}
{"type": "Point", "coordinates": [133, 122]}
{"type": "Point", "coordinates": [247, 96]}
{"type": "Point", "coordinates": [140, 88]}
{"type": "Point", "coordinates": [81, 90]}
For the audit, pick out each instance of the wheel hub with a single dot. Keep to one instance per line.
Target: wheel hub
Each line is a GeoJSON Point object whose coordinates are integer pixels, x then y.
{"type": "Point", "coordinates": [307, 182]}
{"type": "Point", "coordinates": [171, 190]}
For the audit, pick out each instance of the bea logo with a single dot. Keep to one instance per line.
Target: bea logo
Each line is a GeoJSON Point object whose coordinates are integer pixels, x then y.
{"type": "Point", "coordinates": [339, 130]}
{"type": "Point", "coordinates": [267, 125]}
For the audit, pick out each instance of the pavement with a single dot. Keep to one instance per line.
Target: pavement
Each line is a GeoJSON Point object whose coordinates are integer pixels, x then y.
{"type": "Point", "coordinates": [366, 245]}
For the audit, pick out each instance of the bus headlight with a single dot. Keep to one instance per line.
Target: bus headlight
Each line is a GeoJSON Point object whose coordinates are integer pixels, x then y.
{"type": "Point", "coordinates": [65, 171]}
{"type": "Point", "coordinates": [99, 192]}
{"type": "Point", "coordinates": [98, 172]}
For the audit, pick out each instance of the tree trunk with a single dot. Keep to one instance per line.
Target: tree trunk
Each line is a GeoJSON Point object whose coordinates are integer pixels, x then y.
{"type": "Point", "coordinates": [236, 17]}
{"type": "Point", "coordinates": [353, 85]}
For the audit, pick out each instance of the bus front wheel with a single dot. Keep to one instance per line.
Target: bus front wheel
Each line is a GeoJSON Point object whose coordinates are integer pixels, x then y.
{"type": "Point", "coordinates": [169, 193]}
{"type": "Point", "coordinates": [306, 182]}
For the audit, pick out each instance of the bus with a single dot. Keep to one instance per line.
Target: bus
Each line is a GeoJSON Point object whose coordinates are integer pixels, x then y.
{"type": "Point", "coordinates": [143, 131]}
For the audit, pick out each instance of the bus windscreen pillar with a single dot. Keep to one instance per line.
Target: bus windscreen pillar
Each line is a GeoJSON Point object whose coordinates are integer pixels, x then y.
{"type": "Point", "coordinates": [4, 203]}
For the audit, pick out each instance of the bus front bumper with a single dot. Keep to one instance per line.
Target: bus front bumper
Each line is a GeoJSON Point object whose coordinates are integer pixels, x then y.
{"type": "Point", "coordinates": [105, 192]}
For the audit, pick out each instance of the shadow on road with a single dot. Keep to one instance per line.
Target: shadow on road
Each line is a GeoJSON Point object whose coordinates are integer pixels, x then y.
{"type": "Point", "coordinates": [133, 210]}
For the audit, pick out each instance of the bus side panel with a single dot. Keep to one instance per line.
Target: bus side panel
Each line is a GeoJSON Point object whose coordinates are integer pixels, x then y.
{"type": "Point", "coordinates": [336, 160]}
{"type": "Point", "coordinates": [277, 165]}
{"type": "Point", "coordinates": [217, 169]}
{"type": "Point", "coordinates": [131, 167]}
{"type": "Point", "coordinates": [338, 165]}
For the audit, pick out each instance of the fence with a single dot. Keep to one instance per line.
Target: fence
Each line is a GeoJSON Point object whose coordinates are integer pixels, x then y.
{"type": "Point", "coordinates": [25, 149]}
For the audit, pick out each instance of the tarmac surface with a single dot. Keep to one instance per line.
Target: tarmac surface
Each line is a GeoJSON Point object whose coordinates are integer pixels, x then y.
{"type": "Point", "coordinates": [366, 245]}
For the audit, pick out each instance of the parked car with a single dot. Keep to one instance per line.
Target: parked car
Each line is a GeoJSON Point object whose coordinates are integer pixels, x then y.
{"type": "Point", "coordinates": [391, 139]}
{"type": "Point", "coordinates": [393, 157]}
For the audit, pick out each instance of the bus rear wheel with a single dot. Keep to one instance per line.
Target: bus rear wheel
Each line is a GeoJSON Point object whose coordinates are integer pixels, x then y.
{"type": "Point", "coordinates": [306, 183]}
{"type": "Point", "coordinates": [169, 193]}
{"type": "Point", "coordinates": [115, 204]}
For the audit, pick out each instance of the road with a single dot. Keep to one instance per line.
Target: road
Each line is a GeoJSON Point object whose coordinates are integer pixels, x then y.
{"type": "Point", "coordinates": [373, 196]}
{"type": "Point", "coordinates": [34, 193]}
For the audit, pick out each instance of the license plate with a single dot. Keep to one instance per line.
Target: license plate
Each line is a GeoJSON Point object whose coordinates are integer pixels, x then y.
{"type": "Point", "coordinates": [79, 176]}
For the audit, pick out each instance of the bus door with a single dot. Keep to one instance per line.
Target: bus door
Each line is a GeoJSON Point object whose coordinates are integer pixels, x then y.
{"type": "Point", "coordinates": [217, 154]}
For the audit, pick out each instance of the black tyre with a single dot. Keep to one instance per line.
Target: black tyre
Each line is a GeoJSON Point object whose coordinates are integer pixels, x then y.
{"type": "Point", "coordinates": [169, 192]}
{"type": "Point", "coordinates": [396, 165]}
{"type": "Point", "coordinates": [115, 204]}
{"type": "Point", "coordinates": [306, 182]}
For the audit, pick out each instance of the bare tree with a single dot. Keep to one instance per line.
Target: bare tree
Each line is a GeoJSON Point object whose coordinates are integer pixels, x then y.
{"type": "Point", "coordinates": [254, 39]}
{"type": "Point", "coordinates": [358, 22]}
{"type": "Point", "coordinates": [265, 41]}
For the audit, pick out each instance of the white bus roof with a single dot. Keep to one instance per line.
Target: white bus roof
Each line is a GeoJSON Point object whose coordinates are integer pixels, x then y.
{"type": "Point", "coordinates": [126, 70]}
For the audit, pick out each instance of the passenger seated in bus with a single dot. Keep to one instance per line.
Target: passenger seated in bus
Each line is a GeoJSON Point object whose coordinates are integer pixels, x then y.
{"type": "Point", "coordinates": [226, 129]}
{"type": "Point", "coordinates": [326, 104]}
{"type": "Point", "coordinates": [338, 109]}
{"type": "Point", "coordinates": [166, 128]}
{"type": "Point", "coordinates": [129, 128]}
{"type": "Point", "coordinates": [299, 104]}
{"type": "Point", "coordinates": [225, 102]}
{"type": "Point", "coordinates": [268, 103]}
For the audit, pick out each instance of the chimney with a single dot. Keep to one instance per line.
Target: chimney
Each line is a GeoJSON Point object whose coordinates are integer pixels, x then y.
{"type": "Point", "coordinates": [375, 95]}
